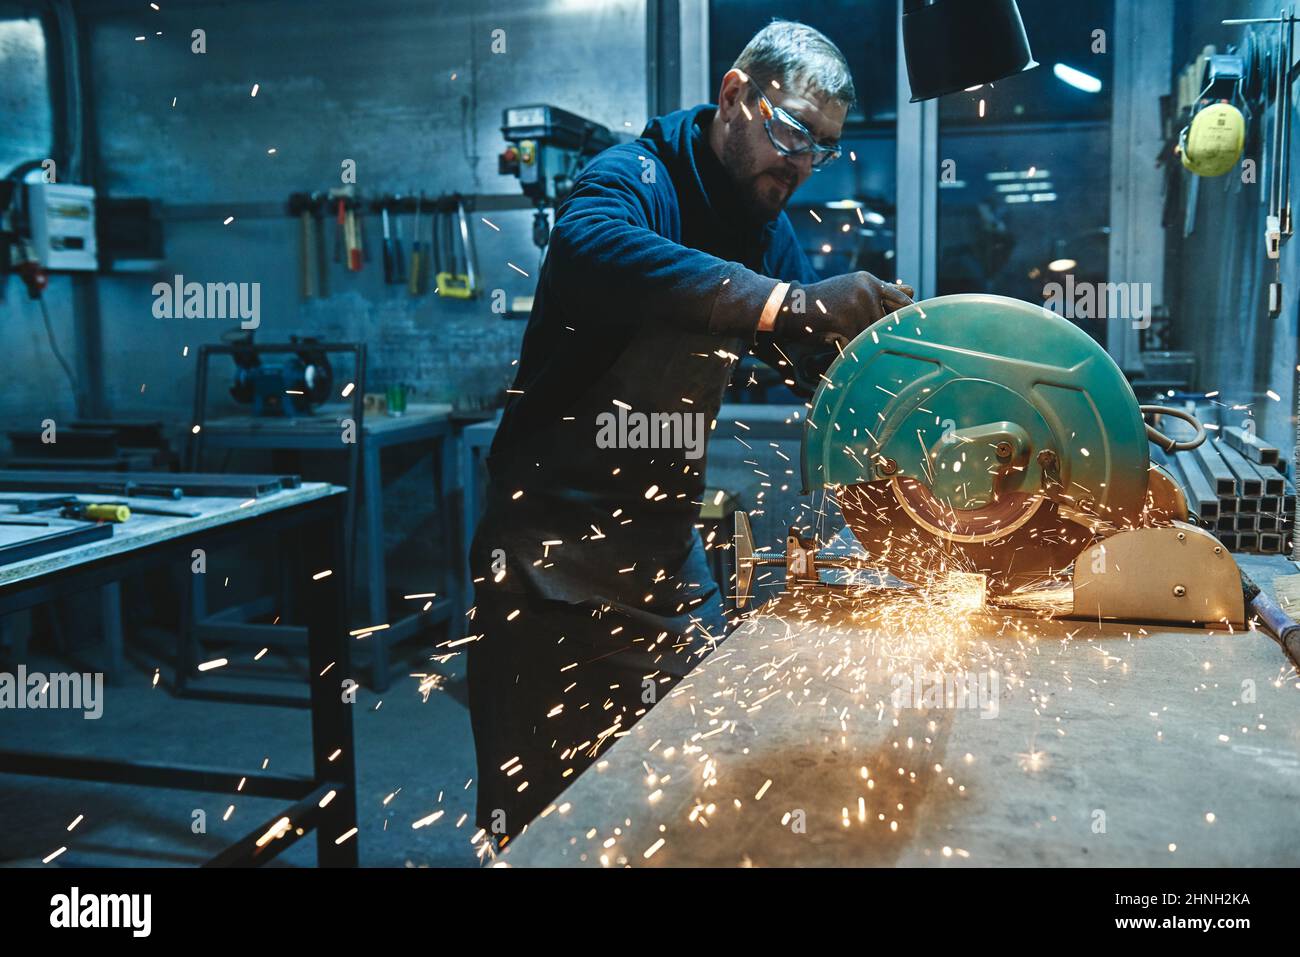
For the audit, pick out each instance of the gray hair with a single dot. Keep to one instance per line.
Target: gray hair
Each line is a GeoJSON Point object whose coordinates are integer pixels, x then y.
{"type": "Point", "coordinates": [794, 54]}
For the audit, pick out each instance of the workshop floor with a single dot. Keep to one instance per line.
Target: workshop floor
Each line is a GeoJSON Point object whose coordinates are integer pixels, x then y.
{"type": "Point", "coordinates": [414, 757]}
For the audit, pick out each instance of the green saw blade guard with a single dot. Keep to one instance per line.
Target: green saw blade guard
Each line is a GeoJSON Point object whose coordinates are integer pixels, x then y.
{"type": "Point", "coordinates": [976, 396]}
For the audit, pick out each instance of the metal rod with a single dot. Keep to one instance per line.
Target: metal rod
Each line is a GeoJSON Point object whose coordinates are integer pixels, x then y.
{"type": "Point", "coordinates": [216, 212]}
{"type": "Point", "coordinates": [1275, 177]}
{"type": "Point", "coordinates": [1241, 23]}
{"type": "Point", "coordinates": [1284, 184]}
{"type": "Point", "coordinates": [840, 561]}
{"type": "Point", "coordinates": [277, 833]}
{"type": "Point", "coordinates": [151, 774]}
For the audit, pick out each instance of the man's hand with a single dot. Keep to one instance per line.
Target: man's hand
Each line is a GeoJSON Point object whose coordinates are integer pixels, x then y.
{"type": "Point", "coordinates": [837, 309]}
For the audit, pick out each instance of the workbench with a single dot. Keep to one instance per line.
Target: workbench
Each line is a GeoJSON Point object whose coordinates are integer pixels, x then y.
{"type": "Point", "coordinates": [1107, 745]}
{"type": "Point", "coordinates": [421, 424]}
{"type": "Point", "coordinates": [311, 515]}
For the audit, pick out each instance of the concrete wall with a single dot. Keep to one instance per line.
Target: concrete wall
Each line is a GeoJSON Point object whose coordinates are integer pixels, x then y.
{"type": "Point", "coordinates": [35, 387]}
{"type": "Point", "coordinates": [334, 83]}
{"type": "Point", "coordinates": [411, 91]}
{"type": "Point", "coordinates": [1218, 278]}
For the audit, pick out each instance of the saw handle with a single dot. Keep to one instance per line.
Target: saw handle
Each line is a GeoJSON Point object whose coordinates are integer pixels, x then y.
{"type": "Point", "coordinates": [1280, 626]}
{"type": "Point", "coordinates": [1164, 441]}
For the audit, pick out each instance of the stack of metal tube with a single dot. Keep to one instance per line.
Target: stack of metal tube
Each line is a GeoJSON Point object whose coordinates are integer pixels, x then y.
{"type": "Point", "coordinates": [1233, 486]}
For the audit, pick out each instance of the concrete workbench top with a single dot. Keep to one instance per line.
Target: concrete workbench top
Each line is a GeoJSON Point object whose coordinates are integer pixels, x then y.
{"type": "Point", "coordinates": [1113, 745]}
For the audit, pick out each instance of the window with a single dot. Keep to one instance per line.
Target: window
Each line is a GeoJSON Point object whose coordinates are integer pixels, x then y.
{"type": "Point", "coordinates": [1025, 166]}
{"type": "Point", "coordinates": [25, 112]}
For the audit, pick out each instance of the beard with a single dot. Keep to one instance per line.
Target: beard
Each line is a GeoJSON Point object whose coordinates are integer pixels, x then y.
{"type": "Point", "coordinates": [765, 190]}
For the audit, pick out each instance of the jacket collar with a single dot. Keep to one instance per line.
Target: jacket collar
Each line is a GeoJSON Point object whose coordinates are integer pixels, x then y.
{"type": "Point", "coordinates": [687, 134]}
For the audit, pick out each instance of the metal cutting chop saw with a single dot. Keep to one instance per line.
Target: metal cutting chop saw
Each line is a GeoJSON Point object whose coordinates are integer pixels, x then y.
{"type": "Point", "coordinates": [983, 435]}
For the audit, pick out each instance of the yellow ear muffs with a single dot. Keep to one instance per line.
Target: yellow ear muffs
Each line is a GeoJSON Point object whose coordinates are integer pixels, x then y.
{"type": "Point", "coordinates": [1212, 143]}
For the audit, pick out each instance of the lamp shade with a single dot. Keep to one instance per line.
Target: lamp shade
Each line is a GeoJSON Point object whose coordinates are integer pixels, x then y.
{"type": "Point", "coordinates": [952, 45]}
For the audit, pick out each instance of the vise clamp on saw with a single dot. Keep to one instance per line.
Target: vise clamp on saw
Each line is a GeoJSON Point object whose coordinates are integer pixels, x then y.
{"type": "Point", "coordinates": [985, 436]}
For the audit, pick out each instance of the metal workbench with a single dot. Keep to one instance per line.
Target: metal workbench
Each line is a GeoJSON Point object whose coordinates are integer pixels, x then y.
{"type": "Point", "coordinates": [1109, 744]}
{"type": "Point", "coordinates": [428, 425]}
{"type": "Point", "coordinates": [312, 515]}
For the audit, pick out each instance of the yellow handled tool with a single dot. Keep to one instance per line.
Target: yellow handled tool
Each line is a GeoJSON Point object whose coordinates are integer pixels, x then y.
{"type": "Point", "coordinates": [97, 512]}
{"type": "Point", "coordinates": [454, 284]}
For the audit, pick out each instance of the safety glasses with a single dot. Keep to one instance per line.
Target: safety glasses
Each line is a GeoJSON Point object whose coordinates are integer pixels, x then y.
{"type": "Point", "coordinates": [792, 138]}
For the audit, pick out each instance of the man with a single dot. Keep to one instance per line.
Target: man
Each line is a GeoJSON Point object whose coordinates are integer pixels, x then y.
{"type": "Point", "coordinates": [671, 258]}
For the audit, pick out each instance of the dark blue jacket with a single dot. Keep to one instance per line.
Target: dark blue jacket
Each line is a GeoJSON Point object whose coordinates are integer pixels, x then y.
{"type": "Point", "coordinates": [653, 229]}
{"type": "Point", "coordinates": [650, 293]}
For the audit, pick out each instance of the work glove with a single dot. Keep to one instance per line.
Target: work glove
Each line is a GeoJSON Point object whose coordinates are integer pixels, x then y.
{"type": "Point", "coordinates": [835, 310]}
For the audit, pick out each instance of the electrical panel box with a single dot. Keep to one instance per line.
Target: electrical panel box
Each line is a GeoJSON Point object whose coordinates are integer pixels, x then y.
{"type": "Point", "coordinates": [61, 225]}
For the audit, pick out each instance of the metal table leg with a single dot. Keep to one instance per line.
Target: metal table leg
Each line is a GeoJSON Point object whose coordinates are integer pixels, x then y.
{"type": "Point", "coordinates": [110, 616]}
{"type": "Point", "coordinates": [446, 466]}
{"type": "Point", "coordinates": [193, 608]}
{"type": "Point", "coordinates": [468, 457]}
{"type": "Point", "coordinates": [376, 578]}
{"type": "Point", "coordinates": [329, 654]}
